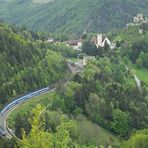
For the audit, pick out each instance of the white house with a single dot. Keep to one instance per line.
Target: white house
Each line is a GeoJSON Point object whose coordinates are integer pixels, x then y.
{"type": "Point", "coordinates": [106, 40]}
{"type": "Point", "coordinates": [50, 40]}
{"type": "Point", "coordinates": [100, 41]}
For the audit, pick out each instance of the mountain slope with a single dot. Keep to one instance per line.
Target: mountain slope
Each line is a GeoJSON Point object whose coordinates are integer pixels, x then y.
{"type": "Point", "coordinates": [26, 63]}
{"type": "Point", "coordinates": [71, 15]}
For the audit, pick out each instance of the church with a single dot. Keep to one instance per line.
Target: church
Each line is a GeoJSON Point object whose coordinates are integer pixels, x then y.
{"type": "Point", "coordinates": [100, 41]}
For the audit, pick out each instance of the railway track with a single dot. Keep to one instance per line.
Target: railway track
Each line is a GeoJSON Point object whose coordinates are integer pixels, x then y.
{"type": "Point", "coordinates": [5, 112]}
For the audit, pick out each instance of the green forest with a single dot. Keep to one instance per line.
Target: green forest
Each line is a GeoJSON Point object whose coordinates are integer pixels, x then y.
{"type": "Point", "coordinates": [72, 16]}
{"type": "Point", "coordinates": [27, 62]}
{"type": "Point", "coordinates": [101, 106]}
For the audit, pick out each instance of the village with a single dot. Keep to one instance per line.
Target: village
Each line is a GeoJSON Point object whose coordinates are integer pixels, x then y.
{"type": "Point", "coordinates": [99, 40]}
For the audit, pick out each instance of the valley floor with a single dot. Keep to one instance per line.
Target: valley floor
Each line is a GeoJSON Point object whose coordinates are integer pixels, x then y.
{"type": "Point", "coordinates": [142, 73]}
{"type": "Point", "coordinates": [87, 129]}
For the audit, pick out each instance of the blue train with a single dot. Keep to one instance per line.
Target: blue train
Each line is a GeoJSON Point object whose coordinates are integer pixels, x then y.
{"type": "Point", "coordinates": [23, 99]}
{"type": "Point", "coordinates": [2, 131]}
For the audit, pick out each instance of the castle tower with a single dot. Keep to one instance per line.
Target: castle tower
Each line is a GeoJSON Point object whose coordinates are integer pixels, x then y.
{"type": "Point", "coordinates": [99, 39]}
{"type": "Point", "coordinates": [140, 17]}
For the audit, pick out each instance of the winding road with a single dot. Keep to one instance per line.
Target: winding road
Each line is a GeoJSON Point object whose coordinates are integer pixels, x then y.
{"type": "Point", "coordinates": [137, 80]}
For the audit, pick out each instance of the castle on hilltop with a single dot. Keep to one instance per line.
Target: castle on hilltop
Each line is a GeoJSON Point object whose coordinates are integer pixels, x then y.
{"type": "Point", "coordinates": [138, 20]}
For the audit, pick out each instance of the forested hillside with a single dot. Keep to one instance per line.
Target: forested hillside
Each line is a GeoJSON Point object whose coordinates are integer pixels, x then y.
{"type": "Point", "coordinates": [26, 63]}
{"type": "Point", "coordinates": [134, 44]}
{"type": "Point", "coordinates": [102, 106]}
{"type": "Point", "coordinates": [104, 93]}
{"type": "Point", "coordinates": [72, 15]}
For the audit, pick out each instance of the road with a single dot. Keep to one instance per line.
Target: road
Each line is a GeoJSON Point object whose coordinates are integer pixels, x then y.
{"type": "Point", "coordinates": [16, 103]}
{"type": "Point", "coordinates": [137, 80]}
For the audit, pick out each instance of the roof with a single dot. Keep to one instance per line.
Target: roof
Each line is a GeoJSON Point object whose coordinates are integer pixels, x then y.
{"type": "Point", "coordinates": [72, 42]}
{"type": "Point", "coordinates": [49, 40]}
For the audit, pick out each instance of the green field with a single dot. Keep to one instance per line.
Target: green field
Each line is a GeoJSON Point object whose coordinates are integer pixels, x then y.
{"type": "Point", "coordinates": [142, 73]}
{"type": "Point", "coordinates": [43, 99]}
{"type": "Point", "coordinates": [86, 128]}
{"type": "Point", "coordinates": [89, 130]}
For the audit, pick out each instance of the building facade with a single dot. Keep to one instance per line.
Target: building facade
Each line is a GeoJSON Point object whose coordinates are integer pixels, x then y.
{"type": "Point", "coordinates": [100, 41]}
